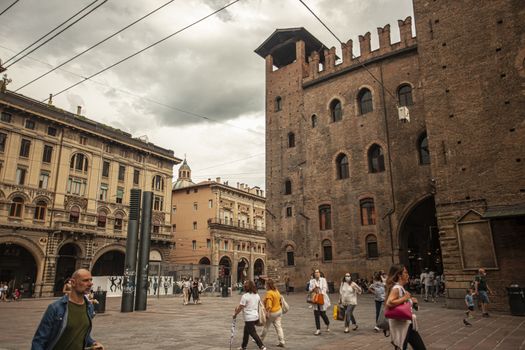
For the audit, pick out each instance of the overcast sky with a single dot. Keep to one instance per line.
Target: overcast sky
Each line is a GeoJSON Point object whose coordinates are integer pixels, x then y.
{"type": "Point", "coordinates": [209, 70]}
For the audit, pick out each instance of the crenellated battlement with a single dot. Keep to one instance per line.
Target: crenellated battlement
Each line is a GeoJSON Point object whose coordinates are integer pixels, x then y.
{"type": "Point", "coordinates": [325, 62]}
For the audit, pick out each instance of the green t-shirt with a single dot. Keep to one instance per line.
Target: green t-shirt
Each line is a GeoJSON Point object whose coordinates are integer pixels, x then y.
{"type": "Point", "coordinates": [76, 328]}
{"type": "Point", "coordinates": [482, 283]}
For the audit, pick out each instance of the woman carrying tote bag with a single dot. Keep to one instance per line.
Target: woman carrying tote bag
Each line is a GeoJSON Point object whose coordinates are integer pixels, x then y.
{"type": "Point", "coordinates": [249, 306]}
{"type": "Point", "coordinates": [319, 288]}
{"type": "Point", "coordinates": [402, 322]}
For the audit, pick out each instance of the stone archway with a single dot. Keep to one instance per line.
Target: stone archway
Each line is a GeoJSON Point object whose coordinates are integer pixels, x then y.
{"type": "Point", "coordinates": [243, 268]}
{"type": "Point", "coordinates": [419, 245]}
{"type": "Point", "coordinates": [68, 260]}
{"type": "Point", "coordinates": [110, 263]}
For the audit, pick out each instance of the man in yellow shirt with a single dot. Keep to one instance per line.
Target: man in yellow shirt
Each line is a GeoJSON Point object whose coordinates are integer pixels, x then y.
{"type": "Point", "coordinates": [272, 303]}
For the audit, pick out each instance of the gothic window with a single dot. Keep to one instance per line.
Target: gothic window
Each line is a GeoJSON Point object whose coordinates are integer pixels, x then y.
{"type": "Point", "coordinates": [424, 153]}
{"type": "Point", "coordinates": [327, 250]}
{"type": "Point", "coordinates": [291, 140]}
{"type": "Point", "coordinates": [404, 94]}
{"type": "Point", "coordinates": [376, 159]}
{"type": "Point", "coordinates": [364, 101]}
{"type": "Point", "coordinates": [290, 258]}
{"type": "Point", "coordinates": [371, 247]}
{"type": "Point", "coordinates": [336, 111]}
{"type": "Point", "coordinates": [79, 162]}
{"type": "Point", "coordinates": [325, 217]}
{"type": "Point", "coordinates": [17, 207]}
{"type": "Point", "coordinates": [288, 187]}
{"type": "Point", "coordinates": [342, 166]}
{"type": "Point", "coordinates": [368, 211]}
{"type": "Point", "coordinates": [314, 121]}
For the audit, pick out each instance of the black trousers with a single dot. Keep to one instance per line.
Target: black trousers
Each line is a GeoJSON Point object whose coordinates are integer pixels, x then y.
{"type": "Point", "coordinates": [249, 330]}
{"type": "Point", "coordinates": [318, 313]}
{"type": "Point", "coordinates": [414, 339]}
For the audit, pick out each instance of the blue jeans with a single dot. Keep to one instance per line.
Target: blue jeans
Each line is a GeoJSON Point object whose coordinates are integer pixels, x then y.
{"type": "Point", "coordinates": [378, 308]}
{"type": "Point", "coordinates": [349, 315]}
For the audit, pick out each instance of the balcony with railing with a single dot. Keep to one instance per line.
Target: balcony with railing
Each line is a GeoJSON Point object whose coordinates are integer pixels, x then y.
{"type": "Point", "coordinates": [230, 223]}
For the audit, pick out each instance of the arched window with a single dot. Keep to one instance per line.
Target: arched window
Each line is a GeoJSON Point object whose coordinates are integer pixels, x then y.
{"type": "Point", "coordinates": [376, 159]}
{"type": "Point", "coordinates": [342, 166]}
{"type": "Point", "coordinates": [74, 214]}
{"type": "Point", "coordinates": [278, 103]}
{"type": "Point", "coordinates": [325, 217]}
{"type": "Point", "coordinates": [40, 210]}
{"type": "Point", "coordinates": [404, 94]}
{"type": "Point", "coordinates": [368, 211]}
{"type": "Point", "coordinates": [314, 121]}
{"type": "Point", "coordinates": [291, 140]}
{"type": "Point", "coordinates": [336, 110]}
{"type": "Point", "coordinates": [371, 247]}
{"type": "Point", "coordinates": [424, 153]}
{"type": "Point", "coordinates": [101, 219]}
{"type": "Point", "coordinates": [117, 226]}
{"type": "Point", "coordinates": [17, 207]}
{"type": "Point", "coordinates": [327, 250]}
{"type": "Point", "coordinates": [288, 187]}
{"type": "Point", "coordinates": [79, 162]}
{"type": "Point", "coordinates": [157, 183]}
{"type": "Point", "coordinates": [364, 101]}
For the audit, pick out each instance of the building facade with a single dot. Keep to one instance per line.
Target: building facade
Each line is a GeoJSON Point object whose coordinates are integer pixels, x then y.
{"type": "Point", "coordinates": [64, 194]}
{"type": "Point", "coordinates": [219, 225]}
{"type": "Point", "coordinates": [355, 184]}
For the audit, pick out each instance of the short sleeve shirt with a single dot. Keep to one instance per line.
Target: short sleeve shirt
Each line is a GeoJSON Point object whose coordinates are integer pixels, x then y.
{"type": "Point", "coordinates": [250, 301]}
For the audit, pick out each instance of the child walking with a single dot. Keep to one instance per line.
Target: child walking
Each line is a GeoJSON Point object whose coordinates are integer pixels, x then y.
{"type": "Point", "coordinates": [469, 302]}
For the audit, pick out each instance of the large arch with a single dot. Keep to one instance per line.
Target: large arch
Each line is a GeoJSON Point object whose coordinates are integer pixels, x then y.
{"type": "Point", "coordinates": [109, 261]}
{"type": "Point", "coordinates": [243, 268]}
{"type": "Point", "coordinates": [419, 245]}
{"type": "Point", "coordinates": [21, 262]}
{"type": "Point", "coordinates": [68, 260]}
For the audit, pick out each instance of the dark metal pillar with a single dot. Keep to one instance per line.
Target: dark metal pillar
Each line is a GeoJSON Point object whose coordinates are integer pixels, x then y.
{"type": "Point", "coordinates": [144, 246]}
{"type": "Point", "coordinates": [130, 264]}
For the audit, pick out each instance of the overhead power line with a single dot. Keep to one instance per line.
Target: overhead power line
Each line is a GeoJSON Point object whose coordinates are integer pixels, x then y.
{"type": "Point", "coordinates": [146, 48]}
{"type": "Point", "coordinates": [57, 34]}
{"type": "Point", "coordinates": [8, 7]}
{"type": "Point", "coordinates": [230, 162]}
{"type": "Point", "coordinates": [95, 45]}
{"type": "Point", "coordinates": [353, 56]}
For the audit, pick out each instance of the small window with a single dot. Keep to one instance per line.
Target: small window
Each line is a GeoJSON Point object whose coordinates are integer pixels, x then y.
{"type": "Point", "coordinates": [103, 195]}
{"type": "Point", "coordinates": [40, 211]}
{"type": "Point", "coordinates": [76, 186]}
{"type": "Point", "coordinates": [278, 103]}
{"type": "Point", "coordinates": [156, 229]}
{"type": "Point", "coordinates": [376, 159]}
{"type": "Point", "coordinates": [74, 215]}
{"type": "Point", "coordinates": [43, 180]}
{"type": "Point", "coordinates": [336, 111]}
{"type": "Point", "coordinates": [158, 203]}
{"type": "Point", "coordinates": [314, 121]}
{"type": "Point", "coordinates": [136, 176]}
{"type": "Point", "coordinates": [3, 141]}
{"type": "Point", "coordinates": [288, 212]}
{"type": "Point", "coordinates": [325, 217]}
{"type": "Point", "coordinates": [174, 209]}
{"type": "Point", "coordinates": [371, 247]}
{"type": "Point", "coordinates": [291, 140]}
{"type": "Point", "coordinates": [105, 168]}
{"type": "Point", "coordinates": [30, 124]}
{"type": "Point", "coordinates": [405, 95]}
{"type": "Point", "coordinates": [83, 140]}
{"type": "Point", "coordinates": [194, 245]}
{"type": "Point", "coordinates": [290, 259]}
{"type": "Point", "coordinates": [210, 203]}
{"type": "Point", "coordinates": [195, 225]}
{"type": "Point", "coordinates": [120, 195]}
{"type": "Point", "coordinates": [157, 183]}
{"type": "Point", "coordinates": [51, 131]}
{"type": "Point", "coordinates": [117, 225]}
{"type": "Point", "coordinates": [6, 117]}
{"type": "Point", "coordinates": [364, 100]}
{"type": "Point", "coordinates": [121, 172]}
{"type": "Point", "coordinates": [327, 250]}
{"type": "Point", "coordinates": [342, 166]}
{"type": "Point", "coordinates": [47, 154]}
{"type": "Point", "coordinates": [17, 207]}
{"type": "Point", "coordinates": [195, 206]}
{"type": "Point", "coordinates": [79, 162]}
{"type": "Point", "coordinates": [288, 187]}
{"type": "Point", "coordinates": [368, 211]}
{"type": "Point", "coordinates": [21, 176]}
{"type": "Point", "coordinates": [25, 147]}
{"type": "Point", "coordinates": [208, 243]}
{"type": "Point", "coordinates": [424, 153]}
{"type": "Point", "coordinates": [101, 219]}
{"type": "Point", "coordinates": [225, 245]}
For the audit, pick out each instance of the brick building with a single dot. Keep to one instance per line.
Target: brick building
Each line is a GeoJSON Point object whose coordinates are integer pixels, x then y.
{"type": "Point", "coordinates": [354, 185]}
{"type": "Point", "coordinates": [219, 225]}
{"type": "Point", "coordinates": [64, 194]}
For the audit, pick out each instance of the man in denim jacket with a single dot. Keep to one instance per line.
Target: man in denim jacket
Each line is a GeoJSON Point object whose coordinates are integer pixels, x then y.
{"type": "Point", "coordinates": [67, 322]}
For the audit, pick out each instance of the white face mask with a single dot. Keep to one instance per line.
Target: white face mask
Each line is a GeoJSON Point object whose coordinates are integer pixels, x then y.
{"type": "Point", "coordinates": [348, 278]}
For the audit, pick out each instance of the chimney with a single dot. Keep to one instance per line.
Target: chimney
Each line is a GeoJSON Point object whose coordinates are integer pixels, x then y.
{"type": "Point", "coordinates": [218, 179]}
{"type": "Point", "coordinates": [237, 185]}
{"type": "Point", "coordinates": [79, 110]}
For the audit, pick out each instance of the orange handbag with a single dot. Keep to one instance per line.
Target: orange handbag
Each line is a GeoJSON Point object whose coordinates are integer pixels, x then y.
{"type": "Point", "coordinates": [318, 299]}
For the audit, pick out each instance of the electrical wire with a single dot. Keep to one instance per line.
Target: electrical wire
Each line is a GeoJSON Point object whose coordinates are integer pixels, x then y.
{"type": "Point", "coordinates": [95, 45]}
{"type": "Point", "coordinates": [353, 56]}
{"type": "Point", "coordinates": [230, 162]}
{"type": "Point", "coordinates": [8, 7]}
{"type": "Point", "coordinates": [57, 34]}
{"type": "Point", "coordinates": [146, 48]}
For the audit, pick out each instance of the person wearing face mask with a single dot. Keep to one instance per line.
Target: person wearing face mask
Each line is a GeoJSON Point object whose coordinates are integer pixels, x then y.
{"type": "Point", "coordinates": [318, 284]}
{"type": "Point", "coordinates": [348, 291]}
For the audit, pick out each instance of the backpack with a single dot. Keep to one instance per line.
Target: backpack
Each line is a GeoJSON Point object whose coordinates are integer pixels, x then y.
{"type": "Point", "coordinates": [262, 315]}
{"type": "Point", "coordinates": [284, 305]}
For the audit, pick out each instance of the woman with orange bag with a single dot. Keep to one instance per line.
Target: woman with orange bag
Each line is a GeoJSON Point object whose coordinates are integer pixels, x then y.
{"type": "Point", "coordinates": [318, 288]}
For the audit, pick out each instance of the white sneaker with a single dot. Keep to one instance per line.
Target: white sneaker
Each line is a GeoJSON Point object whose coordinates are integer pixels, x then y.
{"type": "Point", "coordinates": [327, 328]}
{"type": "Point", "coordinates": [317, 332]}
{"type": "Point", "coordinates": [347, 330]}
{"type": "Point", "coordinates": [377, 329]}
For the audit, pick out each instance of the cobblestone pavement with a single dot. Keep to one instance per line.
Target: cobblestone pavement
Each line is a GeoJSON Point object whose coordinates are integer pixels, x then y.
{"type": "Point", "coordinates": [167, 324]}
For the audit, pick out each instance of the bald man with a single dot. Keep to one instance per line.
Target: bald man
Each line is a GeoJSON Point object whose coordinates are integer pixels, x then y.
{"type": "Point", "coordinates": [67, 322]}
